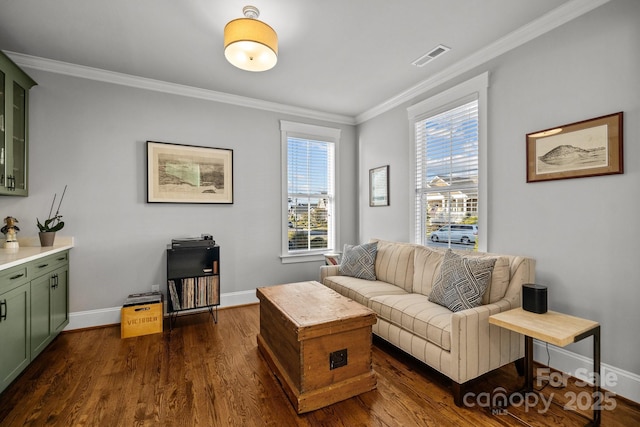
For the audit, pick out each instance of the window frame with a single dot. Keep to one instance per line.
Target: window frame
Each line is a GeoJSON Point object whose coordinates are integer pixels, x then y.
{"type": "Point", "coordinates": [329, 135]}
{"type": "Point", "coordinates": [474, 88]}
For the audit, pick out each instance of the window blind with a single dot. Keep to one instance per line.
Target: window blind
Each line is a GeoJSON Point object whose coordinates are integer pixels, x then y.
{"type": "Point", "coordinates": [446, 172]}
{"type": "Point", "coordinates": [310, 183]}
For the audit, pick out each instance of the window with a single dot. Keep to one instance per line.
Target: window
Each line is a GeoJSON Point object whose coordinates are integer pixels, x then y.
{"type": "Point", "coordinates": [309, 203]}
{"type": "Point", "coordinates": [449, 187]}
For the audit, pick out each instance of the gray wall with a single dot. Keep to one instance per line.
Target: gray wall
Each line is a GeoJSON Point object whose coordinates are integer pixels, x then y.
{"type": "Point", "coordinates": [584, 232]}
{"type": "Point", "coordinates": [91, 136]}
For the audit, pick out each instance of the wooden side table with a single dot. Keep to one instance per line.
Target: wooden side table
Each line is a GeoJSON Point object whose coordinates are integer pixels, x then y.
{"type": "Point", "coordinates": [557, 329]}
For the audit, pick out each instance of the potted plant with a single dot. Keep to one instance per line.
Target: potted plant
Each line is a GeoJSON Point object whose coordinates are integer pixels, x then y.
{"type": "Point", "coordinates": [52, 224]}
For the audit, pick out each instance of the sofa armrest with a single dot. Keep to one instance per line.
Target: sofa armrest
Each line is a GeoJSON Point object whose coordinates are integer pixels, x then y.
{"type": "Point", "coordinates": [328, 270]}
{"type": "Point", "coordinates": [478, 347]}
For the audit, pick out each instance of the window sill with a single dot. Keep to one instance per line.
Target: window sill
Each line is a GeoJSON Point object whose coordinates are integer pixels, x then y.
{"type": "Point", "coordinates": [305, 257]}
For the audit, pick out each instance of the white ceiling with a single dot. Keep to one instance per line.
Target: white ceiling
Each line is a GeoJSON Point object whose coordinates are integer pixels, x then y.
{"type": "Point", "coordinates": [344, 57]}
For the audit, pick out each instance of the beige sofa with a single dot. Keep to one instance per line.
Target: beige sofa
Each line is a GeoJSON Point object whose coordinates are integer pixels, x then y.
{"type": "Point", "coordinates": [461, 345]}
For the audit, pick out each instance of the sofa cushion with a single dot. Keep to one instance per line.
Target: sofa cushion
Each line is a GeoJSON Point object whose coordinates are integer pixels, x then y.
{"type": "Point", "coordinates": [426, 267]}
{"type": "Point", "coordinates": [394, 263]}
{"type": "Point", "coordinates": [462, 281]}
{"type": "Point", "coordinates": [359, 261]}
{"type": "Point", "coordinates": [500, 276]}
{"type": "Point", "coordinates": [416, 314]}
{"type": "Point", "coordinates": [499, 281]}
{"type": "Point", "coordinates": [361, 290]}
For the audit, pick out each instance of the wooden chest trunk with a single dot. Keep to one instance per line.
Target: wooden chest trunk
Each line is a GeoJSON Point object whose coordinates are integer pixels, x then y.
{"type": "Point", "coordinates": [317, 342]}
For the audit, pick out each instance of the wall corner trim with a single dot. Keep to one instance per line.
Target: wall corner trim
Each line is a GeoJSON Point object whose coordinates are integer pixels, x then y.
{"type": "Point", "coordinates": [555, 18]}
{"type": "Point", "coordinates": [90, 73]}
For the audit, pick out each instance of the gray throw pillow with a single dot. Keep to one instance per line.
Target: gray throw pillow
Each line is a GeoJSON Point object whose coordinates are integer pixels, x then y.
{"type": "Point", "coordinates": [462, 281]}
{"type": "Point", "coordinates": [359, 261]}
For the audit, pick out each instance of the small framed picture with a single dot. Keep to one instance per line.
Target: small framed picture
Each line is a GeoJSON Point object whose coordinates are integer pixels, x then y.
{"type": "Point", "coordinates": [188, 174]}
{"type": "Point", "coordinates": [379, 186]}
{"type": "Point", "coordinates": [588, 148]}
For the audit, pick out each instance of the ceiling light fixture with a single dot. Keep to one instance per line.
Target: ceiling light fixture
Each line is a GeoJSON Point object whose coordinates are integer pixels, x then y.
{"type": "Point", "coordinates": [250, 44]}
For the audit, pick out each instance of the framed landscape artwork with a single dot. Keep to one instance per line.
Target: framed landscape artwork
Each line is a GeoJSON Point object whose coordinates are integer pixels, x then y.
{"type": "Point", "coordinates": [379, 186]}
{"type": "Point", "coordinates": [188, 174]}
{"type": "Point", "coordinates": [587, 148]}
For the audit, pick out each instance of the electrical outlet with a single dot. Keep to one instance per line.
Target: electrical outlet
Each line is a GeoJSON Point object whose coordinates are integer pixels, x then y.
{"type": "Point", "coordinates": [155, 288]}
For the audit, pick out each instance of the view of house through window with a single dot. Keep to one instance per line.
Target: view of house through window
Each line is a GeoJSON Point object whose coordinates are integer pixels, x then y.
{"type": "Point", "coordinates": [309, 196]}
{"type": "Point", "coordinates": [310, 177]}
{"type": "Point", "coordinates": [447, 177]}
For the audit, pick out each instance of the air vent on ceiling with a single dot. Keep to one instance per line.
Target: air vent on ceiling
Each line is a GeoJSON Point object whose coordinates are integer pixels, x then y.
{"type": "Point", "coordinates": [433, 54]}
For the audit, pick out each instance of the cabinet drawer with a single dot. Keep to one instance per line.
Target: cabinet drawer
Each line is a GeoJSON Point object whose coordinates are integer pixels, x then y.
{"type": "Point", "coordinates": [13, 277]}
{"type": "Point", "coordinates": [49, 263]}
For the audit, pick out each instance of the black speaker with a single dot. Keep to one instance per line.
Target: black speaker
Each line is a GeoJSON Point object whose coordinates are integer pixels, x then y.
{"type": "Point", "coordinates": [534, 298]}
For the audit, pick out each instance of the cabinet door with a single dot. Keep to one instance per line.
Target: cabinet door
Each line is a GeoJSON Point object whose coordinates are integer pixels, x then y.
{"type": "Point", "coordinates": [41, 292]}
{"type": "Point", "coordinates": [49, 308]}
{"type": "Point", "coordinates": [18, 152]}
{"type": "Point", "coordinates": [14, 333]}
{"type": "Point", "coordinates": [14, 148]}
{"type": "Point", "coordinates": [3, 143]}
{"type": "Point", "coordinates": [60, 299]}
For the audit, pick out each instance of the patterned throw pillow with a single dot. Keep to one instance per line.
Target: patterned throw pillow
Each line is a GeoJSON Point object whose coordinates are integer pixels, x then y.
{"type": "Point", "coordinates": [359, 261]}
{"type": "Point", "coordinates": [462, 281]}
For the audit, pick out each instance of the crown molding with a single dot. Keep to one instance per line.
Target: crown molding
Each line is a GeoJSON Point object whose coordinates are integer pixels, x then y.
{"type": "Point", "coordinates": [81, 71]}
{"type": "Point", "coordinates": [551, 20]}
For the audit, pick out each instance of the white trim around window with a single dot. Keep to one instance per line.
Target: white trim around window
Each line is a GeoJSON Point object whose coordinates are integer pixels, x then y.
{"type": "Point", "coordinates": [475, 87]}
{"type": "Point", "coordinates": [303, 131]}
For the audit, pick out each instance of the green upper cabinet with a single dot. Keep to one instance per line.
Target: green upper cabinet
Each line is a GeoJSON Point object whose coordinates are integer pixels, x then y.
{"type": "Point", "coordinates": [14, 128]}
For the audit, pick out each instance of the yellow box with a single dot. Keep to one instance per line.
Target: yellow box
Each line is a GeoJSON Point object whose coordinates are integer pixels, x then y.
{"type": "Point", "coordinates": [143, 319]}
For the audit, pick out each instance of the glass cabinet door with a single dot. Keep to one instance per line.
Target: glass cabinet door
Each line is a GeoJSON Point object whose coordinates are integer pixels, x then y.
{"type": "Point", "coordinates": [19, 149]}
{"type": "Point", "coordinates": [3, 143]}
{"type": "Point", "coordinates": [14, 132]}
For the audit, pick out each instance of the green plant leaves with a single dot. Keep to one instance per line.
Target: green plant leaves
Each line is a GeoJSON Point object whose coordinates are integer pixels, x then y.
{"type": "Point", "coordinates": [51, 224]}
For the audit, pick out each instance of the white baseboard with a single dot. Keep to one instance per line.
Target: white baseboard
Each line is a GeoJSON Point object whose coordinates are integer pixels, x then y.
{"type": "Point", "coordinates": [616, 380]}
{"type": "Point", "coordinates": [111, 315]}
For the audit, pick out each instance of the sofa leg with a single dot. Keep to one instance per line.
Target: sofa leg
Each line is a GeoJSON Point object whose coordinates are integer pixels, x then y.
{"type": "Point", "coordinates": [457, 390]}
{"type": "Point", "coordinates": [520, 366]}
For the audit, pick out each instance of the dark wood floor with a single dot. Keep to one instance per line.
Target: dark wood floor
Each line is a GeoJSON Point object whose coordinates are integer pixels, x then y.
{"type": "Point", "coordinates": [203, 374]}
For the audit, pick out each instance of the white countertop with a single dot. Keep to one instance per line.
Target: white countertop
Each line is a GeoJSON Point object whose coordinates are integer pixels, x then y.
{"type": "Point", "coordinates": [30, 250]}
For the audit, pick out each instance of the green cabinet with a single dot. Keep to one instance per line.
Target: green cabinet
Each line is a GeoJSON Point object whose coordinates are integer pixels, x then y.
{"type": "Point", "coordinates": [60, 300]}
{"type": "Point", "coordinates": [40, 313]}
{"type": "Point", "coordinates": [15, 324]}
{"type": "Point", "coordinates": [14, 128]}
{"type": "Point", "coordinates": [34, 308]}
{"type": "Point", "coordinates": [49, 299]}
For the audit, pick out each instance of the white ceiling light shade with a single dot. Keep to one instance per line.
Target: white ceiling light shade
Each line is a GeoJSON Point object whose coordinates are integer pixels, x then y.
{"type": "Point", "coordinates": [250, 44]}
